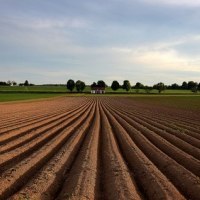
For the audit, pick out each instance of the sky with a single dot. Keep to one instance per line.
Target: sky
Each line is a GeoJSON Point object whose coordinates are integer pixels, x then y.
{"type": "Point", "coordinates": [148, 41]}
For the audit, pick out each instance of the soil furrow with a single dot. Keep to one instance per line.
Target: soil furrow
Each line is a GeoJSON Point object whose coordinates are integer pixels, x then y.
{"type": "Point", "coordinates": [146, 173]}
{"type": "Point", "coordinates": [35, 112]}
{"type": "Point", "coordinates": [13, 179]}
{"type": "Point", "coordinates": [35, 120]}
{"type": "Point", "coordinates": [180, 156]}
{"type": "Point", "coordinates": [26, 136]}
{"type": "Point", "coordinates": [156, 115]}
{"type": "Point", "coordinates": [47, 182]}
{"type": "Point", "coordinates": [115, 168]}
{"type": "Point", "coordinates": [25, 151]}
{"type": "Point", "coordinates": [178, 175]}
{"type": "Point", "coordinates": [99, 147]}
{"type": "Point", "coordinates": [81, 181]}
{"type": "Point", "coordinates": [185, 146]}
{"type": "Point", "coordinates": [184, 134]}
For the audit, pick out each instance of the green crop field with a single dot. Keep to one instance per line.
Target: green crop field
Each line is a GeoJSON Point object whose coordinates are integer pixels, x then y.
{"type": "Point", "coordinates": [8, 93]}
{"type": "Point", "coordinates": [44, 89]}
{"type": "Point", "coordinates": [63, 89]}
{"type": "Point", "coordinates": [142, 91]}
{"type": "Point", "coordinates": [4, 97]}
{"type": "Point", "coordinates": [33, 89]}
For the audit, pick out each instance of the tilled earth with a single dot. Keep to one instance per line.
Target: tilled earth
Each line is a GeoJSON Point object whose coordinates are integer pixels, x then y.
{"type": "Point", "coordinates": [98, 148]}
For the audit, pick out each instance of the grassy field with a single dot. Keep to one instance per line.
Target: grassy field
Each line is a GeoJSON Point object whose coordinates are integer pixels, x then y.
{"type": "Point", "coordinates": [14, 93]}
{"type": "Point", "coordinates": [4, 97]}
{"type": "Point", "coordinates": [46, 89]}
{"type": "Point", "coordinates": [142, 91]}
{"type": "Point", "coordinates": [63, 89]}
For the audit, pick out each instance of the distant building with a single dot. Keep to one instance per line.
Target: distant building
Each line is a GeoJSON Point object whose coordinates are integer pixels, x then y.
{"type": "Point", "coordinates": [96, 89]}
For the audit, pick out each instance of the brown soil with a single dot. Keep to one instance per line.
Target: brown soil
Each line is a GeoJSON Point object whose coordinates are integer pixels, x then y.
{"type": "Point", "coordinates": [98, 148]}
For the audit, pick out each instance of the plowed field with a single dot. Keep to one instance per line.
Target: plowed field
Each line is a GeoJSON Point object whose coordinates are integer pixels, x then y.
{"type": "Point", "coordinates": [98, 148]}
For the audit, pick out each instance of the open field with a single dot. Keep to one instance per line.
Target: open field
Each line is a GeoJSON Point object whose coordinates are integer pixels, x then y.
{"type": "Point", "coordinates": [4, 97]}
{"type": "Point", "coordinates": [100, 147]}
{"type": "Point", "coordinates": [16, 96]}
{"type": "Point", "coordinates": [47, 89]}
{"type": "Point", "coordinates": [63, 89]}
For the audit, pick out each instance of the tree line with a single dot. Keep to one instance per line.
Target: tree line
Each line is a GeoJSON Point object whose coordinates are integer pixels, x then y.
{"type": "Point", "coordinates": [14, 83]}
{"type": "Point", "coordinates": [80, 86]}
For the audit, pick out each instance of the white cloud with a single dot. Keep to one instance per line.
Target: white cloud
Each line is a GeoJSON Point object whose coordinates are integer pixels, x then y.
{"type": "Point", "coordinates": [192, 3]}
{"type": "Point", "coordinates": [167, 60]}
{"type": "Point", "coordinates": [162, 56]}
{"type": "Point", "coordinates": [61, 23]}
{"type": "Point", "coordinates": [38, 23]}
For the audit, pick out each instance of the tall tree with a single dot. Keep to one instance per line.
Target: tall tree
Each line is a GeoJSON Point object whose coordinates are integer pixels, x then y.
{"type": "Point", "coordinates": [195, 87]}
{"type": "Point", "coordinates": [93, 84]}
{"type": "Point", "coordinates": [191, 85]}
{"type": "Point", "coordinates": [184, 85]}
{"type": "Point", "coordinates": [115, 85]}
{"type": "Point", "coordinates": [14, 83]}
{"type": "Point", "coordinates": [174, 86]}
{"type": "Point", "coordinates": [80, 86]}
{"type": "Point", "coordinates": [26, 83]}
{"type": "Point", "coordinates": [126, 85]}
{"type": "Point", "coordinates": [3, 83]}
{"type": "Point", "coordinates": [139, 85]}
{"type": "Point", "coordinates": [70, 84]}
{"type": "Point", "coordinates": [101, 83]}
{"type": "Point", "coordinates": [160, 87]}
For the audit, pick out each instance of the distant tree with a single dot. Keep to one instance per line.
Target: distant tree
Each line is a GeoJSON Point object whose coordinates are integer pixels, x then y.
{"type": "Point", "coordinates": [115, 85]}
{"type": "Point", "coordinates": [101, 83]}
{"type": "Point", "coordinates": [93, 84]}
{"type": "Point", "coordinates": [199, 86]}
{"type": "Point", "coordinates": [160, 87]}
{"type": "Point", "coordinates": [14, 83]}
{"type": "Point", "coordinates": [184, 85]}
{"type": "Point", "coordinates": [174, 86]}
{"type": "Point", "coordinates": [80, 86]}
{"type": "Point", "coordinates": [70, 84]}
{"type": "Point", "coordinates": [26, 83]}
{"type": "Point", "coordinates": [126, 85]}
{"type": "Point", "coordinates": [191, 85]}
{"type": "Point", "coordinates": [195, 88]}
{"type": "Point", "coordinates": [3, 83]}
{"type": "Point", "coordinates": [139, 85]}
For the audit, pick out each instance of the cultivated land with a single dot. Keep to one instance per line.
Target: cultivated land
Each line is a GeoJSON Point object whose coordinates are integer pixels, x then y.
{"type": "Point", "coordinates": [101, 148]}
